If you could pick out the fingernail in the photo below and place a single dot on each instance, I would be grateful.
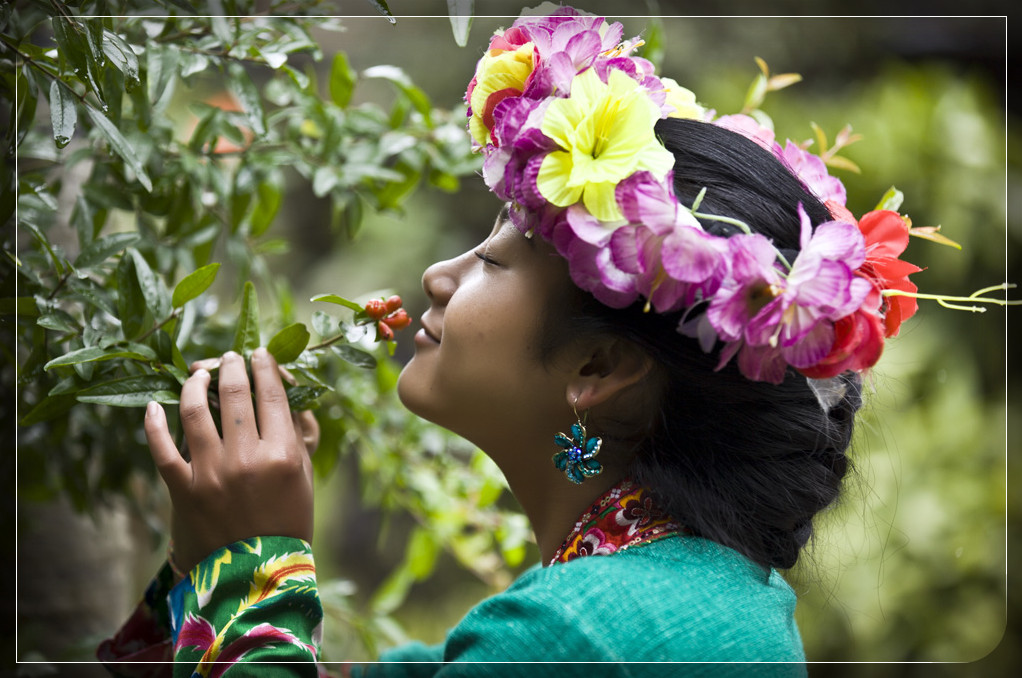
(201, 374)
(260, 353)
(230, 355)
(150, 408)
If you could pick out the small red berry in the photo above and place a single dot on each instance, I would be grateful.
(376, 308)
(398, 320)
(383, 332)
(393, 303)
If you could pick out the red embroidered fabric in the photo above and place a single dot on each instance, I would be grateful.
(624, 516)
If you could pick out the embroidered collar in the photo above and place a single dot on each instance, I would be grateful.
(624, 516)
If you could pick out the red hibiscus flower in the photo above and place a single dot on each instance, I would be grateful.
(859, 337)
(858, 343)
(886, 234)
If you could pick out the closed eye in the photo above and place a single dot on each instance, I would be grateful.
(485, 259)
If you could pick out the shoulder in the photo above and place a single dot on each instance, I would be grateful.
(678, 599)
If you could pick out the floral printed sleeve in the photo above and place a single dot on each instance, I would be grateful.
(253, 601)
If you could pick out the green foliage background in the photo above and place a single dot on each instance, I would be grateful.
(911, 566)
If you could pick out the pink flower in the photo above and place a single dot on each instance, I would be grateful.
(812, 172)
(772, 320)
(676, 262)
(748, 127)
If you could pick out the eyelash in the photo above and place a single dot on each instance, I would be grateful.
(485, 259)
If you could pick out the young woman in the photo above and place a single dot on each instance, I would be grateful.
(658, 343)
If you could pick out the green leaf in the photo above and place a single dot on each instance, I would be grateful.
(324, 324)
(273, 59)
(186, 6)
(120, 145)
(353, 215)
(41, 238)
(91, 354)
(63, 113)
(49, 408)
(120, 55)
(69, 385)
(423, 550)
(355, 356)
(460, 12)
(74, 46)
(892, 200)
(100, 250)
(132, 391)
(161, 62)
(27, 101)
(289, 343)
(194, 284)
(404, 83)
(58, 321)
(153, 290)
(243, 88)
(334, 299)
(381, 7)
(757, 91)
(131, 307)
(246, 336)
(274, 246)
(342, 80)
(324, 179)
(266, 208)
(392, 592)
(303, 397)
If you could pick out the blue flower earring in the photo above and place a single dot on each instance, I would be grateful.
(576, 457)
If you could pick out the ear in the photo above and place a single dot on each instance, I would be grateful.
(608, 368)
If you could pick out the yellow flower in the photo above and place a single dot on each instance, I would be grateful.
(683, 100)
(500, 74)
(605, 132)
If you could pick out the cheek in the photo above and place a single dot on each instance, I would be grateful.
(499, 321)
(486, 360)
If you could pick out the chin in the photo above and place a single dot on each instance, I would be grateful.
(412, 393)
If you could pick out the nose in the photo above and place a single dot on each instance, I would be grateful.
(440, 280)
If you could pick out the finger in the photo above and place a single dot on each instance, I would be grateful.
(271, 400)
(208, 364)
(310, 430)
(200, 431)
(287, 376)
(236, 414)
(174, 470)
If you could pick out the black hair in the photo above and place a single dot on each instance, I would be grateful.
(744, 463)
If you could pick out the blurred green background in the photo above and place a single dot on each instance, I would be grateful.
(912, 565)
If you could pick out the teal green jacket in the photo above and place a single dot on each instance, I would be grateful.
(680, 599)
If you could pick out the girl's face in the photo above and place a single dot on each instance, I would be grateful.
(476, 369)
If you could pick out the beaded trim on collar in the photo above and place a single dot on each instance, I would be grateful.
(624, 516)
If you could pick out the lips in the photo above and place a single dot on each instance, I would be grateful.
(435, 336)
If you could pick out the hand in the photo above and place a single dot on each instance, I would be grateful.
(255, 481)
(310, 427)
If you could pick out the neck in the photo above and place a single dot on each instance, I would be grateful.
(553, 503)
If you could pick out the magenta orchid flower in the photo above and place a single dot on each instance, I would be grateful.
(812, 172)
(675, 261)
(771, 319)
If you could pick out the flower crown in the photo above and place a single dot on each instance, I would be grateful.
(564, 116)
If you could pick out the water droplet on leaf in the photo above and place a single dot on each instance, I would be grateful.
(61, 141)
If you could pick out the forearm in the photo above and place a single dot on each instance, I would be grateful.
(253, 601)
